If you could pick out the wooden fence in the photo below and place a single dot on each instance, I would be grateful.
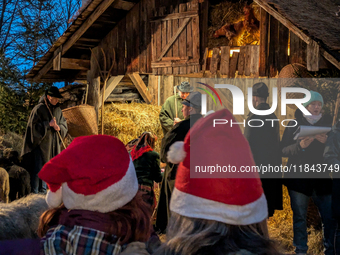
(245, 62)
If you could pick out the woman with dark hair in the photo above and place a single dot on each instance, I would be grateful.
(220, 212)
(147, 165)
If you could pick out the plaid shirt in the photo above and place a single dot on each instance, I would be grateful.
(78, 240)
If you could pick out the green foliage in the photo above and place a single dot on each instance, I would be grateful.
(16, 99)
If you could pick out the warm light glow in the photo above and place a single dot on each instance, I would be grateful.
(234, 50)
(210, 53)
(288, 51)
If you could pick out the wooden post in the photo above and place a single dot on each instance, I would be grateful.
(94, 93)
(337, 105)
(313, 56)
(263, 43)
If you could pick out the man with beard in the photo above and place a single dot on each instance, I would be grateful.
(42, 141)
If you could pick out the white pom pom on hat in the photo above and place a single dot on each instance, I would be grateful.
(176, 153)
(94, 173)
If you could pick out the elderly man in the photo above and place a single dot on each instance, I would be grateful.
(191, 112)
(42, 142)
(264, 143)
(168, 116)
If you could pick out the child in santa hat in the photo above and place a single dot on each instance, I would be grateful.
(147, 165)
(216, 213)
(96, 206)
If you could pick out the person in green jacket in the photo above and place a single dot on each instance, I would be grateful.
(146, 162)
(167, 116)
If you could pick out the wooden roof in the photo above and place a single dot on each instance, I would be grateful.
(317, 18)
(314, 21)
(92, 24)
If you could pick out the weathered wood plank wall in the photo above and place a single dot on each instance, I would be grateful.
(137, 34)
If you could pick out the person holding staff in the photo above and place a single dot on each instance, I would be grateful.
(45, 130)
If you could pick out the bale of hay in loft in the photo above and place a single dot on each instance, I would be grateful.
(128, 121)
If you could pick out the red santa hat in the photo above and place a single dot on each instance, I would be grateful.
(231, 197)
(94, 173)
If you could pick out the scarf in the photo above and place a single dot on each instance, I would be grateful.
(312, 119)
(135, 154)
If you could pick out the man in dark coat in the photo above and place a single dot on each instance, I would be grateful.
(332, 157)
(191, 111)
(265, 146)
(42, 142)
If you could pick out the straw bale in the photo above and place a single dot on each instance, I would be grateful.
(128, 121)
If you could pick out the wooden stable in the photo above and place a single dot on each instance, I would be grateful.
(158, 43)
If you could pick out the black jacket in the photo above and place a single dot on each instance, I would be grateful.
(332, 157)
(311, 156)
(148, 169)
(40, 135)
(177, 133)
(264, 143)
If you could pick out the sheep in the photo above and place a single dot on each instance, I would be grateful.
(20, 219)
(19, 180)
(4, 185)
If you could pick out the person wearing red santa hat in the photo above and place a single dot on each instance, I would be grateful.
(216, 214)
(96, 206)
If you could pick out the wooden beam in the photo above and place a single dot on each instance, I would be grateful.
(174, 63)
(225, 58)
(110, 86)
(173, 39)
(83, 39)
(313, 56)
(215, 60)
(93, 94)
(81, 30)
(122, 97)
(57, 59)
(263, 43)
(330, 58)
(123, 5)
(75, 64)
(233, 64)
(205, 57)
(172, 16)
(283, 20)
(142, 89)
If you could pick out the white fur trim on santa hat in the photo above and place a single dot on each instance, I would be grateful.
(54, 199)
(107, 200)
(201, 208)
(208, 113)
(176, 153)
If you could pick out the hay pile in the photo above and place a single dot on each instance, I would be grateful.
(228, 12)
(10, 141)
(281, 229)
(128, 121)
